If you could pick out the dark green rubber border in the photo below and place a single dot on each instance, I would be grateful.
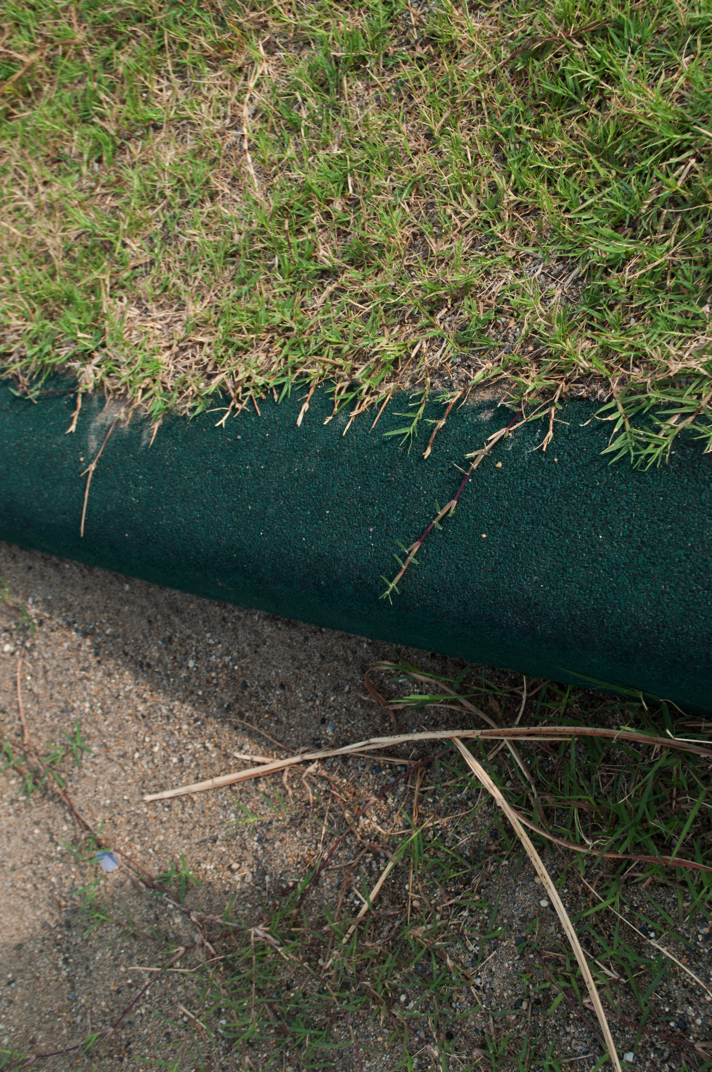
(556, 564)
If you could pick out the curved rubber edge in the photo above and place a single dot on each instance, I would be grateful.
(554, 564)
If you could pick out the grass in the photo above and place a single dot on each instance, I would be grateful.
(202, 201)
(36, 777)
(308, 990)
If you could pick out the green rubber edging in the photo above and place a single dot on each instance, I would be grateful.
(585, 570)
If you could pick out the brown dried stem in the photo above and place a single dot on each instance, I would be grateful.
(494, 790)
(89, 473)
(518, 733)
(449, 507)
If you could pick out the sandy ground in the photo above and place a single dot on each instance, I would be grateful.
(167, 689)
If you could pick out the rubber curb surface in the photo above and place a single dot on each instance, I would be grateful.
(555, 564)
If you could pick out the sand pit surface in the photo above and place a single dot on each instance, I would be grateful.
(134, 689)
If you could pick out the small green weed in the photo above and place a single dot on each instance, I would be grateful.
(25, 622)
(76, 744)
(34, 776)
(409, 432)
(182, 875)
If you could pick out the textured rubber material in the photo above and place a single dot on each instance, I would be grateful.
(555, 564)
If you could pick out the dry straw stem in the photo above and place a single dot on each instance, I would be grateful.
(302, 757)
(441, 424)
(482, 776)
(516, 733)
(475, 711)
(371, 897)
(25, 735)
(89, 473)
(456, 737)
(368, 905)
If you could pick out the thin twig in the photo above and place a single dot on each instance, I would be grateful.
(75, 416)
(25, 734)
(380, 700)
(245, 134)
(305, 407)
(677, 1042)
(31, 751)
(449, 507)
(668, 861)
(66, 799)
(569, 1001)
(252, 759)
(385, 403)
(387, 788)
(24, 69)
(231, 718)
(187, 1012)
(147, 879)
(89, 473)
(480, 714)
(518, 719)
(440, 424)
(366, 906)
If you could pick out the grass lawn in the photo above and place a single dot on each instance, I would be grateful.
(210, 199)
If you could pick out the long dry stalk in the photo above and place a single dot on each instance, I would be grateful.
(89, 473)
(484, 778)
(516, 733)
